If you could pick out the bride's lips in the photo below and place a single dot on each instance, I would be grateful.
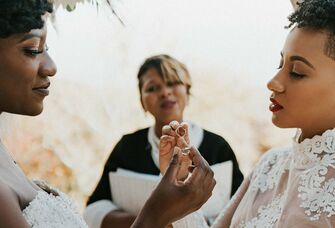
(42, 89)
(168, 104)
(275, 106)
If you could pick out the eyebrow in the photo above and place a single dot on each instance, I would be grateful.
(299, 58)
(29, 36)
(302, 59)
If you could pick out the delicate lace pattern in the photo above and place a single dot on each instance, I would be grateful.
(317, 193)
(47, 210)
(268, 172)
(267, 215)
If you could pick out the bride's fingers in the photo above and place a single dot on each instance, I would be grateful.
(185, 126)
(174, 124)
(166, 152)
(182, 143)
(181, 132)
(166, 140)
(167, 130)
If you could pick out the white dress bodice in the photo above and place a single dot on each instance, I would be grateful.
(47, 210)
(290, 187)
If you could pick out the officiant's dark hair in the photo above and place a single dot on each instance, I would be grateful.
(318, 15)
(21, 16)
(170, 69)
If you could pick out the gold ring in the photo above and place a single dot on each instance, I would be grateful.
(186, 151)
(180, 131)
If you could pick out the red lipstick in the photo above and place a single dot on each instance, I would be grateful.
(275, 106)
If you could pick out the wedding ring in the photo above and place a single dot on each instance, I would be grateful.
(180, 131)
(186, 151)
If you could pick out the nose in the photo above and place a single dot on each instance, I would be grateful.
(47, 66)
(276, 84)
(166, 91)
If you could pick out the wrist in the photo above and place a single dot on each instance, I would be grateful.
(148, 219)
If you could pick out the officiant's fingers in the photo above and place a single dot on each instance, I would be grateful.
(167, 130)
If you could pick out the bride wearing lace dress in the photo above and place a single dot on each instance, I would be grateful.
(295, 186)
(25, 68)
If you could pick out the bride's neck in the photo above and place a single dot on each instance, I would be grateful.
(308, 134)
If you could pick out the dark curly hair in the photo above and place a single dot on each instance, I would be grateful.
(21, 16)
(318, 15)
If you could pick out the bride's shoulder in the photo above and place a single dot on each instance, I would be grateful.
(10, 211)
(7, 193)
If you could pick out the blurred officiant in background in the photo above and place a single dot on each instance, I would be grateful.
(165, 87)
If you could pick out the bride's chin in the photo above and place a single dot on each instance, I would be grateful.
(280, 124)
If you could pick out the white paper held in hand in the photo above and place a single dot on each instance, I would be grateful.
(131, 189)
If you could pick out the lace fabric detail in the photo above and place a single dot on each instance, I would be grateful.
(267, 215)
(292, 186)
(317, 156)
(47, 210)
(269, 170)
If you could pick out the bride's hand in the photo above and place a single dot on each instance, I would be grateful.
(173, 199)
(175, 139)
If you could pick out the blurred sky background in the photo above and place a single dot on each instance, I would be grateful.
(242, 37)
(231, 49)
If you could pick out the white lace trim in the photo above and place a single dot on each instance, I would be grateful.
(267, 215)
(317, 155)
(47, 210)
(268, 172)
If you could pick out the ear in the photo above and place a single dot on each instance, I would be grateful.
(295, 4)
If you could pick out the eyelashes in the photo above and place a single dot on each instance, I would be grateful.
(296, 75)
(33, 52)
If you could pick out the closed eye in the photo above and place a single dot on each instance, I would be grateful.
(33, 52)
(296, 75)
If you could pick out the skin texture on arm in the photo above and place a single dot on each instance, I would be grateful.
(10, 211)
(173, 199)
(118, 218)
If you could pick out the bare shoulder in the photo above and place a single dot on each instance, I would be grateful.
(10, 211)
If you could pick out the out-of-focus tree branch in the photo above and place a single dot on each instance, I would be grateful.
(70, 5)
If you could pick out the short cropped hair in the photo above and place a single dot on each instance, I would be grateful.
(318, 15)
(21, 16)
(170, 69)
